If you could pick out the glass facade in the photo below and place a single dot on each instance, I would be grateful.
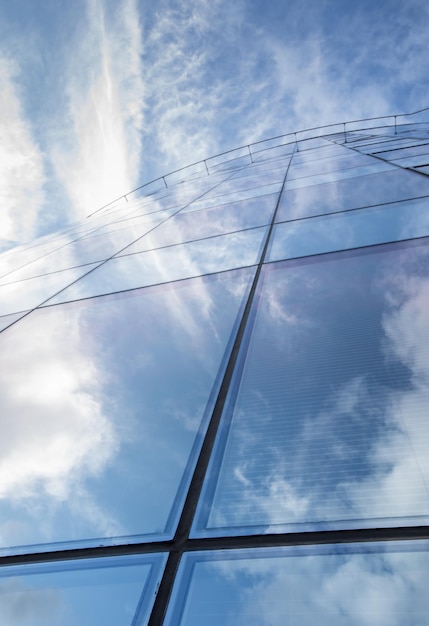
(215, 394)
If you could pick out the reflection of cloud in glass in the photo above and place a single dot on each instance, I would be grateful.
(54, 429)
(362, 191)
(354, 589)
(329, 424)
(172, 263)
(21, 605)
(103, 400)
(28, 294)
(50, 386)
(351, 229)
(80, 593)
(329, 586)
(403, 448)
(208, 222)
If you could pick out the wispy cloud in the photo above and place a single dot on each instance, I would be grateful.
(131, 92)
(100, 158)
(21, 164)
(223, 75)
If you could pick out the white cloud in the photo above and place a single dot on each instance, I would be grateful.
(182, 104)
(337, 588)
(399, 484)
(54, 431)
(215, 75)
(21, 164)
(100, 159)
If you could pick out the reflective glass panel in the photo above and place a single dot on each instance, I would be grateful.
(326, 424)
(413, 161)
(112, 592)
(249, 179)
(329, 150)
(133, 227)
(335, 585)
(253, 206)
(264, 167)
(97, 247)
(404, 152)
(301, 167)
(226, 164)
(352, 229)
(376, 146)
(208, 222)
(168, 264)
(311, 142)
(104, 403)
(352, 172)
(260, 172)
(423, 168)
(28, 294)
(213, 200)
(348, 194)
(7, 320)
(262, 156)
(20, 256)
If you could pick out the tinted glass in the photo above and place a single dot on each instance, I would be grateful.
(117, 351)
(383, 585)
(352, 172)
(399, 153)
(213, 200)
(27, 294)
(167, 264)
(103, 407)
(326, 425)
(112, 592)
(353, 229)
(349, 194)
(7, 320)
(423, 168)
(21, 256)
(301, 167)
(208, 222)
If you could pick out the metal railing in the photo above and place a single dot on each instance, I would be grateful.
(251, 150)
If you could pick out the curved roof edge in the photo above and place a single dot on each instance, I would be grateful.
(392, 121)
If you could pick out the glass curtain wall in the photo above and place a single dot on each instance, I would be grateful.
(215, 395)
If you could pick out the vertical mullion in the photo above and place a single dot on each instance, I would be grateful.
(197, 480)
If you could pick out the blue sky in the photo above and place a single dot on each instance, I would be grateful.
(100, 96)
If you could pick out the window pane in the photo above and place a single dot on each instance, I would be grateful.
(328, 177)
(215, 199)
(363, 227)
(80, 593)
(104, 403)
(423, 168)
(300, 168)
(326, 425)
(413, 161)
(337, 585)
(404, 152)
(349, 194)
(22, 255)
(168, 264)
(23, 295)
(7, 320)
(208, 222)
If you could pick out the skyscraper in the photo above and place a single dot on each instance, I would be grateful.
(215, 393)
